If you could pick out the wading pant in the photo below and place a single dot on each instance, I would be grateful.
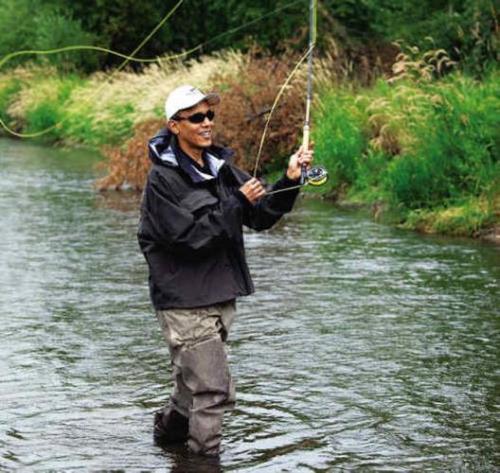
(203, 388)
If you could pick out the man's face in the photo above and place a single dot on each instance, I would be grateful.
(193, 135)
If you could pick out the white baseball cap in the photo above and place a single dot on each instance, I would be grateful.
(187, 96)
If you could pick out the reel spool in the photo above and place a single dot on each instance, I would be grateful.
(316, 176)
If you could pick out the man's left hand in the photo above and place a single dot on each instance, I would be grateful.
(301, 156)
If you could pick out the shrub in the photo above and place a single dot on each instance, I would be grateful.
(41, 101)
(128, 166)
(52, 30)
(247, 98)
(33, 25)
(9, 87)
(456, 148)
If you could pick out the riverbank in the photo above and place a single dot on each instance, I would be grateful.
(420, 149)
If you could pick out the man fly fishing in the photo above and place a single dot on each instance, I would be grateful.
(194, 207)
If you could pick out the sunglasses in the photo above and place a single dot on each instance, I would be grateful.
(197, 117)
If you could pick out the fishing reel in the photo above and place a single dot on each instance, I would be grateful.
(316, 176)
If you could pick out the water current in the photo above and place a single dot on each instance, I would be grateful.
(365, 348)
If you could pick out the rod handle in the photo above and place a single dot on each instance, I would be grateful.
(305, 147)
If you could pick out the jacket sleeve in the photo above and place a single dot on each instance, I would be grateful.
(166, 221)
(270, 209)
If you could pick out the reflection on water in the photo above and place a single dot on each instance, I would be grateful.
(365, 348)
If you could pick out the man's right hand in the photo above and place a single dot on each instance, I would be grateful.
(253, 190)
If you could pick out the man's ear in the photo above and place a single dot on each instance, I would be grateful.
(173, 126)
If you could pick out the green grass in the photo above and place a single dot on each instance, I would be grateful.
(428, 149)
(8, 90)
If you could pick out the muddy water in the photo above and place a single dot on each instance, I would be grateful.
(365, 348)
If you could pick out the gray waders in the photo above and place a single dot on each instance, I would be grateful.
(203, 389)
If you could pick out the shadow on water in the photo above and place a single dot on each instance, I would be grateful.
(365, 348)
(182, 461)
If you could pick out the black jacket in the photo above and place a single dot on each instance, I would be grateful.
(190, 230)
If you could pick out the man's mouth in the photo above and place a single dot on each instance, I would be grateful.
(206, 134)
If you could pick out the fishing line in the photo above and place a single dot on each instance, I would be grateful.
(275, 103)
(119, 68)
(128, 58)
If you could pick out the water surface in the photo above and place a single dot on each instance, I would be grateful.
(365, 348)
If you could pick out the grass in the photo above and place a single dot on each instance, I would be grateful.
(465, 218)
(428, 149)
(99, 110)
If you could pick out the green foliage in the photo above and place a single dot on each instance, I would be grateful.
(456, 151)
(49, 108)
(37, 25)
(53, 29)
(421, 146)
(16, 25)
(9, 87)
(464, 218)
(467, 30)
(338, 134)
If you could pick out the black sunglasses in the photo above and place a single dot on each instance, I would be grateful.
(197, 117)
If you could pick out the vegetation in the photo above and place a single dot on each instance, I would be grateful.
(428, 149)
(411, 130)
(466, 29)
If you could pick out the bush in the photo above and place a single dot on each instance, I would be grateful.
(456, 147)
(247, 98)
(467, 30)
(32, 25)
(128, 165)
(52, 30)
(429, 148)
(9, 87)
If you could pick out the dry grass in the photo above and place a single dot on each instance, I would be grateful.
(145, 92)
(246, 102)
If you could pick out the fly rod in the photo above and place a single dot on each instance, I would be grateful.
(317, 175)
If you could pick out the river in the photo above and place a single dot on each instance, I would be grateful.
(365, 348)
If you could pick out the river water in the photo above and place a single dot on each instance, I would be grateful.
(365, 348)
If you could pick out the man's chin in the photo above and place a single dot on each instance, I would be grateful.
(206, 143)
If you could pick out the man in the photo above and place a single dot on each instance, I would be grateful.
(194, 206)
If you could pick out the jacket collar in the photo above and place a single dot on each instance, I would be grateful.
(164, 150)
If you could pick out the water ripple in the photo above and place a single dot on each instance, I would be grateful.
(365, 348)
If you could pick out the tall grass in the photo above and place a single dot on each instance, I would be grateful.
(417, 145)
(98, 110)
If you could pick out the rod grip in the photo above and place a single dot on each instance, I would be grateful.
(305, 146)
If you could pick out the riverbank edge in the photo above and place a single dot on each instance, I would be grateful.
(382, 213)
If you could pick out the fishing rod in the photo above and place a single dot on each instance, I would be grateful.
(315, 176)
